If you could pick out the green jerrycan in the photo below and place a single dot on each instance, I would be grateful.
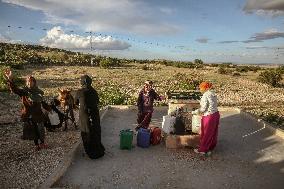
(126, 137)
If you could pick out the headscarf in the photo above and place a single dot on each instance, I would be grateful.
(86, 81)
(205, 86)
(147, 82)
(31, 78)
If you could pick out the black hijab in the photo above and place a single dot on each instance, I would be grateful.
(86, 81)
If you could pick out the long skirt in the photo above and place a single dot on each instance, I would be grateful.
(209, 132)
(92, 142)
(144, 119)
(33, 130)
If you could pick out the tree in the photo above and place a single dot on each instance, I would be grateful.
(198, 61)
(270, 77)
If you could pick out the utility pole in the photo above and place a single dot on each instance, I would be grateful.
(91, 38)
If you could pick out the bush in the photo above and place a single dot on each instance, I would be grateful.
(226, 65)
(270, 77)
(242, 69)
(236, 74)
(222, 70)
(106, 63)
(111, 95)
(150, 67)
(182, 82)
(280, 69)
(273, 118)
(109, 62)
(198, 61)
(247, 68)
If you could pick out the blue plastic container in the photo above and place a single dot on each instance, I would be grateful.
(143, 138)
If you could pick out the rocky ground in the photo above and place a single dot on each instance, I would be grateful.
(20, 164)
(23, 167)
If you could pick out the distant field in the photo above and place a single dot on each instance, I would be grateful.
(119, 80)
(121, 85)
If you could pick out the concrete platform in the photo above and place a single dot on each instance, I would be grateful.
(247, 156)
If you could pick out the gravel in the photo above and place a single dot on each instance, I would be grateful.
(20, 164)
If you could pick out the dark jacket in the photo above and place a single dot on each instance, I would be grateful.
(31, 99)
(152, 95)
(88, 99)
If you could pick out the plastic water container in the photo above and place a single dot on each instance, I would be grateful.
(196, 123)
(53, 117)
(126, 138)
(168, 123)
(143, 138)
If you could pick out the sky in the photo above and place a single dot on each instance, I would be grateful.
(215, 31)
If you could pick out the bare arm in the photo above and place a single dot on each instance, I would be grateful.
(12, 86)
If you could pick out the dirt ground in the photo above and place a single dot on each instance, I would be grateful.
(247, 156)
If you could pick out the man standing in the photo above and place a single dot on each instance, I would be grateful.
(89, 118)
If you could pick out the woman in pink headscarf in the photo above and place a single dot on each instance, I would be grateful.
(210, 119)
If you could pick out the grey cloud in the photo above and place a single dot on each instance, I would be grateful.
(108, 15)
(260, 37)
(276, 5)
(224, 42)
(257, 47)
(271, 7)
(203, 40)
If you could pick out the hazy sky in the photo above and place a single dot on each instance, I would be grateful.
(242, 31)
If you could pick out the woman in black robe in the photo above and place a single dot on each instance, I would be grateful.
(89, 118)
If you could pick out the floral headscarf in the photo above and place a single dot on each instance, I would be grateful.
(205, 86)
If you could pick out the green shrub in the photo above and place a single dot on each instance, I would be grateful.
(273, 118)
(109, 62)
(270, 77)
(222, 70)
(105, 63)
(150, 67)
(242, 69)
(182, 82)
(280, 69)
(226, 65)
(236, 74)
(2, 55)
(198, 61)
(111, 95)
(247, 68)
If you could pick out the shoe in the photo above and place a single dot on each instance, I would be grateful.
(37, 148)
(207, 154)
(196, 151)
(43, 146)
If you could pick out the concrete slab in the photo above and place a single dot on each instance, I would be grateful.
(247, 156)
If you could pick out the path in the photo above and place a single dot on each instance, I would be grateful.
(243, 159)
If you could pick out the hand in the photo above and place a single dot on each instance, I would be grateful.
(162, 98)
(195, 112)
(8, 74)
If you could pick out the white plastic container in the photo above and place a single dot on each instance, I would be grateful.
(168, 123)
(196, 123)
(53, 117)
